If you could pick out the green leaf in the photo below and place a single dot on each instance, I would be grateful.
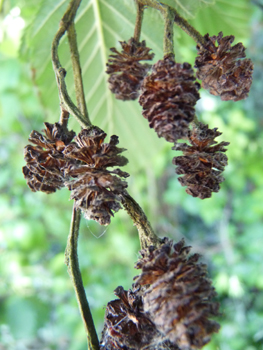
(230, 17)
(188, 8)
(23, 315)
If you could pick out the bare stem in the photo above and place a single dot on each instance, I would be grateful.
(138, 23)
(60, 72)
(64, 116)
(79, 89)
(168, 39)
(146, 234)
(71, 260)
(180, 21)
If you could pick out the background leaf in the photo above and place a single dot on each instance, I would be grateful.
(188, 8)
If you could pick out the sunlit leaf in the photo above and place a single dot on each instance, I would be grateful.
(23, 315)
(229, 17)
(188, 8)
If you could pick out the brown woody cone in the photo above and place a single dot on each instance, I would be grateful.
(168, 97)
(220, 71)
(126, 72)
(179, 297)
(46, 164)
(201, 163)
(94, 188)
(127, 326)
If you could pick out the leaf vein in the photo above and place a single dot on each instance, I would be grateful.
(47, 17)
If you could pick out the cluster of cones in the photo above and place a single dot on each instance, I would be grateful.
(221, 68)
(171, 305)
(56, 161)
(168, 95)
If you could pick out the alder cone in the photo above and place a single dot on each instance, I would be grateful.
(46, 164)
(126, 72)
(179, 297)
(94, 188)
(201, 163)
(220, 70)
(168, 97)
(127, 326)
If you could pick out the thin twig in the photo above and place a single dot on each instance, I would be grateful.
(138, 22)
(168, 39)
(180, 21)
(60, 72)
(71, 260)
(64, 116)
(79, 89)
(146, 234)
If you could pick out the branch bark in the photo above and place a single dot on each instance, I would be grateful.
(79, 89)
(72, 262)
(168, 39)
(60, 72)
(146, 234)
(138, 22)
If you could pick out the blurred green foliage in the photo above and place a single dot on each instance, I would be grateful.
(38, 309)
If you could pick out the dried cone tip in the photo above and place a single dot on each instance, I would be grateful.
(220, 70)
(127, 326)
(94, 188)
(201, 163)
(125, 70)
(46, 164)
